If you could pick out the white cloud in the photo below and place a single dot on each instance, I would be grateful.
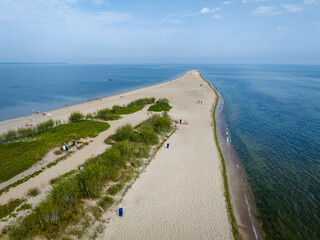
(226, 2)
(256, 1)
(292, 8)
(205, 10)
(215, 9)
(217, 16)
(265, 10)
(101, 2)
(311, 2)
(281, 28)
(317, 23)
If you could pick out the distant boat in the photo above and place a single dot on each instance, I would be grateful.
(110, 79)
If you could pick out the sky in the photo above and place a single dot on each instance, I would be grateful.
(162, 31)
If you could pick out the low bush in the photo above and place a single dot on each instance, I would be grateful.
(25, 206)
(161, 105)
(114, 189)
(141, 101)
(32, 192)
(76, 116)
(106, 202)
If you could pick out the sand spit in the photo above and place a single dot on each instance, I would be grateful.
(181, 194)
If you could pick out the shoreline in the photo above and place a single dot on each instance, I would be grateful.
(242, 205)
(15, 123)
(183, 93)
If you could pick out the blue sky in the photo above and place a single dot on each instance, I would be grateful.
(175, 31)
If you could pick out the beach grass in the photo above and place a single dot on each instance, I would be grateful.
(117, 110)
(8, 208)
(161, 104)
(224, 170)
(64, 202)
(17, 157)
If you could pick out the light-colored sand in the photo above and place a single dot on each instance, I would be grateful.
(180, 196)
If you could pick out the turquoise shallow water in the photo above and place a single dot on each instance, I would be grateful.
(273, 115)
(272, 112)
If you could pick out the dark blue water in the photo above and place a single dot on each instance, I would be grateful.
(43, 87)
(273, 114)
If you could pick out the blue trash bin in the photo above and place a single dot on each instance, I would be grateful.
(167, 145)
(120, 212)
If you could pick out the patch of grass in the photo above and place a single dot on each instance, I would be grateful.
(76, 116)
(106, 202)
(24, 207)
(16, 157)
(161, 105)
(57, 179)
(8, 208)
(96, 212)
(224, 170)
(22, 133)
(114, 189)
(32, 192)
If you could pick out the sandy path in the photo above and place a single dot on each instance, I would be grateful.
(180, 196)
(79, 157)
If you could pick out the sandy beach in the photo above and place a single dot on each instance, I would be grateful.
(181, 193)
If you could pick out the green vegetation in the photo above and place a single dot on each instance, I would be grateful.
(116, 111)
(8, 208)
(32, 192)
(106, 202)
(76, 116)
(161, 105)
(23, 133)
(224, 170)
(114, 189)
(24, 207)
(64, 203)
(16, 157)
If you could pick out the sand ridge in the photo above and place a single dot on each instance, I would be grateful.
(181, 194)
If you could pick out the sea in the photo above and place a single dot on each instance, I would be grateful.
(272, 115)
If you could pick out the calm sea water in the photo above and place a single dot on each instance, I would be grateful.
(44, 87)
(272, 112)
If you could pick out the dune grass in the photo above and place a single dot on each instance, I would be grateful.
(8, 208)
(16, 157)
(63, 204)
(161, 105)
(22, 133)
(116, 111)
(224, 170)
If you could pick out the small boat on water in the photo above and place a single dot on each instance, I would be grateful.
(110, 79)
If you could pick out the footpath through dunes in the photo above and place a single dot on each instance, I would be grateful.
(181, 194)
(96, 147)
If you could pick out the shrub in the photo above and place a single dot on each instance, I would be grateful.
(161, 105)
(24, 207)
(76, 116)
(114, 189)
(106, 202)
(124, 133)
(32, 192)
(41, 127)
(148, 135)
(141, 101)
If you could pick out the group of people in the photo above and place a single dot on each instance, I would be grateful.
(65, 148)
(199, 101)
(184, 122)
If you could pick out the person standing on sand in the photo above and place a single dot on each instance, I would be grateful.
(32, 111)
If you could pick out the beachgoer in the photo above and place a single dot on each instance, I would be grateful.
(32, 111)
(67, 148)
(180, 121)
(73, 142)
(66, 105)
(43, 113)
(64, 148)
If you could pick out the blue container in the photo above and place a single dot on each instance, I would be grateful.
(167, 145)
(120, 212)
